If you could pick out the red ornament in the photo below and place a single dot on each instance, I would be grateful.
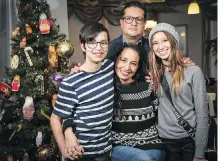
(5, 91)
(44, 24)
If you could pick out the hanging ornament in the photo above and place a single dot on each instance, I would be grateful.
(5, 91)
(28, 29)
(45, 152)
(28, 108)
(26, 51)
(43, 109)
(65, 49)
(54, 98)
(2, 114)
(39, 139)
(26, 157)
(40, 81)
(14, 62)
(16, 83)
(17, 129)
(52, 56)
(44, 24)
(15, 32)
(10, 158)
(23, 43)
(56, 79)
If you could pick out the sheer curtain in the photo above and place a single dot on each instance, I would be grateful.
(8, 19)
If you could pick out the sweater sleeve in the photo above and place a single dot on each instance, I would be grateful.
(200, 102)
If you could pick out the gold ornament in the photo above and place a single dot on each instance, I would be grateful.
(28, 29)
(15, 32)
(65, 49)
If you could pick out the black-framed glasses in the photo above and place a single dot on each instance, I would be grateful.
(129, 19)
(94, 44)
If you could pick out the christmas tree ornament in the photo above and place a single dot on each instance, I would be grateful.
(17, 129)
(54, 98)
(26, 51)
(44, 114)
(15, 32)
(52, 56)
(26, 157)
(28, 29)
(44, 24)
(10, 158)
(15, 83)
(65, 49)
(40, 82)
(28, 108)
(44, 110)
(23, 43)
(5, 91)
(56, 79)
(39, 139)
(45, 152)
(2, 114)
(14, 62)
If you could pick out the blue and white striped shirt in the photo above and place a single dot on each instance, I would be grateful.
(88, 99)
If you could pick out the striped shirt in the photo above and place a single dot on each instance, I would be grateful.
(88, 99)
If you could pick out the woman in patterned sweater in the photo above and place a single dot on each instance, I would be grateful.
(134, 133)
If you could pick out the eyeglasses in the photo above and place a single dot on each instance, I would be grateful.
(94, 44)
(129, 19)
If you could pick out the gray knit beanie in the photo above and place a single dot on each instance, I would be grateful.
(164, 27)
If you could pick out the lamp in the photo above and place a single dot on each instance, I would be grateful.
(193, 8)
(150, 24)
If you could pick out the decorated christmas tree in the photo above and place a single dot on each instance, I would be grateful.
(39, 62)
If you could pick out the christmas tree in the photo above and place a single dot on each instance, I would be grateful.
(39, 62)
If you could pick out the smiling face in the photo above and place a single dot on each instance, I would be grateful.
(127, 65)
(133, 29)
(96, 53)
(161, 45)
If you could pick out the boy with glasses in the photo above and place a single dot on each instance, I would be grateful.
(87, 97)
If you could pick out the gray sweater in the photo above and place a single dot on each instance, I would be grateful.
(192, 105)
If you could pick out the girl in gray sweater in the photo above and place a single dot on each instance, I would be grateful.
(188, 92)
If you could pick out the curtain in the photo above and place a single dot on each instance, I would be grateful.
(7, 24)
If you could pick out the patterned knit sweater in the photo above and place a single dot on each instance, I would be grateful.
(134, 123)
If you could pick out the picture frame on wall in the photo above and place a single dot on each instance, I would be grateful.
(183, 37)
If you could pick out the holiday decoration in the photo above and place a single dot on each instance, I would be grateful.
(43, 109)
(15, 32)
(10, 158)
(65, 49)
(45, 152)
(5, 91)
(26, 157)
(54, 97)
(44, 24)
(40, 82)
(23, 43)
(39, 139)
(28, 29)
(28, 108)
(14, 62)
(18, 128)
(1, 114)
(16, 83)
(26, 50)
(56, 79)
(52, 56)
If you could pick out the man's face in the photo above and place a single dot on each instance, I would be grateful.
(136, 27)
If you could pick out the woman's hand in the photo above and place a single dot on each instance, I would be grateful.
(75, 69)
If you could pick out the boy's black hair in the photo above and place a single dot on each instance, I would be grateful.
(134, 4)
(90, 31)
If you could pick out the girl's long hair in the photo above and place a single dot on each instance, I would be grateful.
(176, 66)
